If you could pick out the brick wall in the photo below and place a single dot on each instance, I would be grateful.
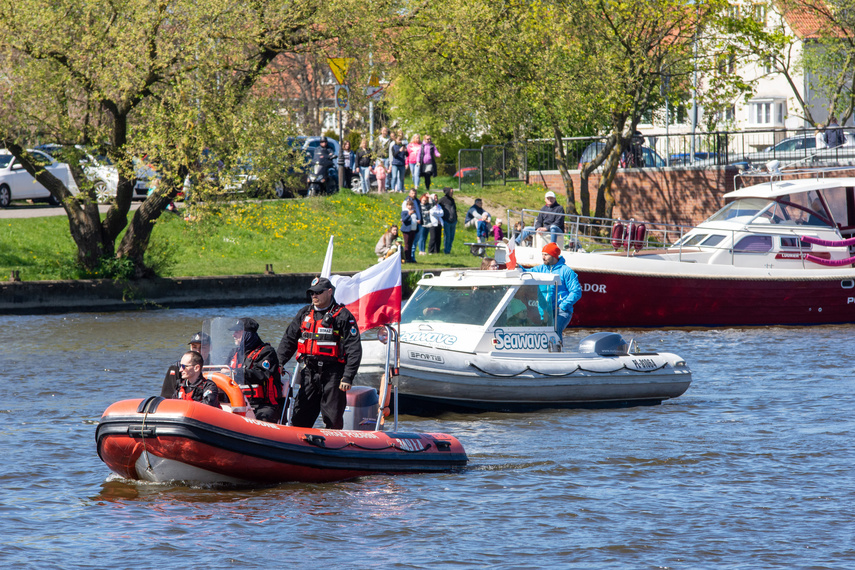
(663, 195)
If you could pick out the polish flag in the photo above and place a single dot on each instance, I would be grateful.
(512, 254)
(373, 295)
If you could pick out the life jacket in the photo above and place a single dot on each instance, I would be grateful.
(267, 392)
(318, 338)
(185, 394)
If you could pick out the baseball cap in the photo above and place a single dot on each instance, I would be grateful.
(244, 324)
(319, 285)
(550, 194)
(200, 338)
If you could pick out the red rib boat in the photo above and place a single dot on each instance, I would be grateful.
(158, 440)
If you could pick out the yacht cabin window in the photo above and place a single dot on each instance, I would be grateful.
(754, 244)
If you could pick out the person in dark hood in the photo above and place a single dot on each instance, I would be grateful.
(258, 372)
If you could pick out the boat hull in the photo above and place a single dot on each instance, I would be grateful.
(176, 440)
(525, 382)
(650, 300)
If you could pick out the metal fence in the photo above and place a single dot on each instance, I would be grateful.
(492, 164)
(719, 148)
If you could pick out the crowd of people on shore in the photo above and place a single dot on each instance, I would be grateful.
(388, 160)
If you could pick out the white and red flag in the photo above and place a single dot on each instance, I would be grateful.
(512, 254)
(373, 295)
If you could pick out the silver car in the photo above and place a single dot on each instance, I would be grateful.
(17, 184)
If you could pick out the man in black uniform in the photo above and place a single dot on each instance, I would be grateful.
(255, 365)
(194, 386)
(326, 339)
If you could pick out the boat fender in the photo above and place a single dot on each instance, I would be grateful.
(639, 234)
(149, 405)
(231, 389)
(604, 344)
(618, 236)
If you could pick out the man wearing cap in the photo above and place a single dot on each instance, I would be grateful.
(550, 218)
(568, 289)
(199, 342)
(258, 370)
(326, 339)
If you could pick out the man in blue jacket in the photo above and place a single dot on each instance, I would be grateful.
(569, 290)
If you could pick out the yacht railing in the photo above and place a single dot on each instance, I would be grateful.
(598, 235)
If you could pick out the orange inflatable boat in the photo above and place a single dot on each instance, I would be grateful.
(155, 439)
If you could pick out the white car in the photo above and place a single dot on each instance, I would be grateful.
(17, 184)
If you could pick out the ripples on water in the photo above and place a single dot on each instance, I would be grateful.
(752, 467)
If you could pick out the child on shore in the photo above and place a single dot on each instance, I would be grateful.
(379, 172)
(481, 227)
(498, 234)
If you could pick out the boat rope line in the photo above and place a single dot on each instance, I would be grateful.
(577, 369)
(148, 466)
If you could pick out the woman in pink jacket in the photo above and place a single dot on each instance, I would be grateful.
(413, 151)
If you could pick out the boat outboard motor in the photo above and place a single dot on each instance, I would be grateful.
(604, 344)
(361, 411)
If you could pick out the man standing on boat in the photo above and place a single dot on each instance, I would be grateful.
(326, 339)
(194, 386)
(569, 290)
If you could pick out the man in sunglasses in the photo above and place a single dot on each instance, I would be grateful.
(194, 386)
(326, 339)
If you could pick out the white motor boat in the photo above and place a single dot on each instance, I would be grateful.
(485, 340)
(781, 252)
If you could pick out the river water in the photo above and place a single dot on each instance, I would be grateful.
(751, 468)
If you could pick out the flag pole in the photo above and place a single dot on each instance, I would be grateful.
(326, 270)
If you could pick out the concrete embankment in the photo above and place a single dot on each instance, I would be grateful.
(93, 295)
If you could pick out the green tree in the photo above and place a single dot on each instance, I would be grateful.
(175, 80)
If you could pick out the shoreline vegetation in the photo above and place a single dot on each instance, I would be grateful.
(245, 238)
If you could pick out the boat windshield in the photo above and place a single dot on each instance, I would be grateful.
(803, 208)
(457, 305)
(529, 307)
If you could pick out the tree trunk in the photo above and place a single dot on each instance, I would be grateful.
(135, 241)
(561, 161)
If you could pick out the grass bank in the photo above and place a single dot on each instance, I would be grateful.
(242, 238)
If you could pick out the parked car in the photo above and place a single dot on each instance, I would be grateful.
(700, 159)
(790, 149)
(17, 184)
(649, 157)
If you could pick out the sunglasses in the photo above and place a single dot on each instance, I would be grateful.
(183, 366)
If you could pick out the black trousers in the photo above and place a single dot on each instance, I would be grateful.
(435, 234)
(319, 393)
